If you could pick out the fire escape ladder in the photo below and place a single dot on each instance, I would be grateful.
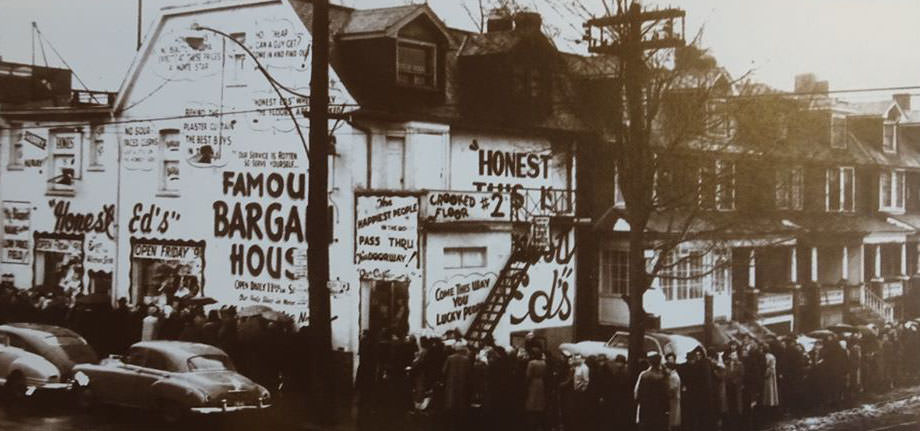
(512, 275)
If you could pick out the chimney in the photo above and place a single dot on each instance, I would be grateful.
(805, 82)
(528, 21)
(499, 20)
(903, 100)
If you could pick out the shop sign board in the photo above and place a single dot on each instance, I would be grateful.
(386, 236)
(454, 206)
(17, 220)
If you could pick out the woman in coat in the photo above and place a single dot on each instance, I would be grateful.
(770, 387)
(535, 397)
(734, 389)
(674, 413)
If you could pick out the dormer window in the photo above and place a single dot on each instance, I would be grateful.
(890, 140)
(416, 64)
(890, 131)
(838, 132)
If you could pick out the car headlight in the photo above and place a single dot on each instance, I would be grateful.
(81, 378)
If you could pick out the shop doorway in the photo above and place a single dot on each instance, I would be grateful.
(385, 307)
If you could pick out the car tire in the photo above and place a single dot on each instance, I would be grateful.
(15, 387)
(171, 412)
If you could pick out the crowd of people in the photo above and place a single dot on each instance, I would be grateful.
(444, 382)
(270, 351)
(434, 381)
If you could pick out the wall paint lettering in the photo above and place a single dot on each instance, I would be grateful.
(67, 221)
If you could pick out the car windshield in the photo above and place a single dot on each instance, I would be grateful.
(619, 340)
(209, 363)
(76, 349)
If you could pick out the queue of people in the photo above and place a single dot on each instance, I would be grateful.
(443, 382)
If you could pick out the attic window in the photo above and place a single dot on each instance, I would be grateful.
(890, 139)
(415, 64)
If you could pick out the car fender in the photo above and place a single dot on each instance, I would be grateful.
(32, 367)
(178, 391)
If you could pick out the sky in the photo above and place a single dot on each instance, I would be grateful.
(853, 44)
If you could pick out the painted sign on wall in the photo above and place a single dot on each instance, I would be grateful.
(454, 303)
(17, 243)
(386, 236)
(546, 298)
(139, 146)
(453, 206)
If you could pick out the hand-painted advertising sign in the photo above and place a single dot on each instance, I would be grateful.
(454, 303)
(17, 244)
(452, 206)
(386, 237)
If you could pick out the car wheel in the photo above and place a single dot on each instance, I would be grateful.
(171, 412)
(15, 387)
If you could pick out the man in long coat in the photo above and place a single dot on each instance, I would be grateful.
(457, 371)
(651, 394)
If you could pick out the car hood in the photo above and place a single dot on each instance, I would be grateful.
(216, 383)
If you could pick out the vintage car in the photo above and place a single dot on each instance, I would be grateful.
(39, 357)
(618, 344)
(172, 377)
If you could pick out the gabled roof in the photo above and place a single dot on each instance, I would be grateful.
(386, 22)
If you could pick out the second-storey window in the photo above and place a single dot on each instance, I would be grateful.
(891, 190)
(789, 188)
(682, 276)
(64, 164)
(15, 137)
(839, 189)
(464, 257)
(169, 161)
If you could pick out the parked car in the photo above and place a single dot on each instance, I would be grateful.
(39, 357)
(172, 377)
(618, 344)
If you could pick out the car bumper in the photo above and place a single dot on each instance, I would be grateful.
(228, 409)
(33, 388)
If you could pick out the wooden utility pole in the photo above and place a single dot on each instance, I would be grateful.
(318, 233)
(628, 35)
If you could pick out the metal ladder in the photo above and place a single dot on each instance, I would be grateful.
(512, 275)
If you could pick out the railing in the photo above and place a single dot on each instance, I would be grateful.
(529, 203)
(89, 97)
(892, 289)
(875, 304)
(774, 302)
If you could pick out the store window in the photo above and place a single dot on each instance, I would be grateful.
(169, 144)
(614, 272)
(163, 271)
(59, 263)
(464, 257)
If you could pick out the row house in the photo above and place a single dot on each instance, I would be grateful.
(815, 228)
(451, 180)
(57, 170)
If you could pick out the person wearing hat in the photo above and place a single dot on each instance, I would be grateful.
(651, 394)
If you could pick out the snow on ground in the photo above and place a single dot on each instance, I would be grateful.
(898, 407)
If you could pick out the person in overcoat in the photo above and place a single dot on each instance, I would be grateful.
(535, 396)
(651, 394)
(770, 386)
(457, 372)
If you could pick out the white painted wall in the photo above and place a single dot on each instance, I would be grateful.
(90, 209)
